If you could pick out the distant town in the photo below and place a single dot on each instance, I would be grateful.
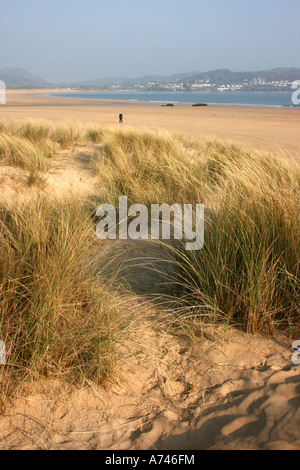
(255, 84)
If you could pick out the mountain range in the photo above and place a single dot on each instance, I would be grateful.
(19, 78)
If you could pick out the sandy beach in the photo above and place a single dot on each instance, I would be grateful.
(275, 130)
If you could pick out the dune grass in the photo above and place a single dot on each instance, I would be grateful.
(56, 317)
(66, 136)
(59, 319)
(33, 131)
(18, 151)
(31, 145)
(148, 166)
(94, 134)
(40, 133)
(248, 270)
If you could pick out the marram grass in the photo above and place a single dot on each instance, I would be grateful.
(58, 319)
(248, 271)
(56, 316)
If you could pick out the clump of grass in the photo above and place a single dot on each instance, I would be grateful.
(55, 316)
(248, 271)
(65, 136)
(27, 145)
(30, 145)
(31, 130)
(41, 133)
(18, 151)
(94, 134)
(148, 167)
(36, 179)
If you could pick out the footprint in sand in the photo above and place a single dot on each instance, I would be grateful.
(267, 417)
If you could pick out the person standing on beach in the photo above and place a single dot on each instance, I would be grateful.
(120, 118)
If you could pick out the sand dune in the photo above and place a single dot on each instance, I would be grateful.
(223, 390)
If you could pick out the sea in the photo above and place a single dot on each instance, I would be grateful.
(243, 99)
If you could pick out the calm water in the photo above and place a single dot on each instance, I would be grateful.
(275, 99)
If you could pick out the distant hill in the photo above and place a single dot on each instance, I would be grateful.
(226, 76)
(101, 82)
(123, 81)
(19, 78)
(218, 77)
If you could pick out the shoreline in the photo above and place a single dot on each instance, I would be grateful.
(161, 102)
(58, 97)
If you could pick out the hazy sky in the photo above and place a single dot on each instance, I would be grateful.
(70, 40)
